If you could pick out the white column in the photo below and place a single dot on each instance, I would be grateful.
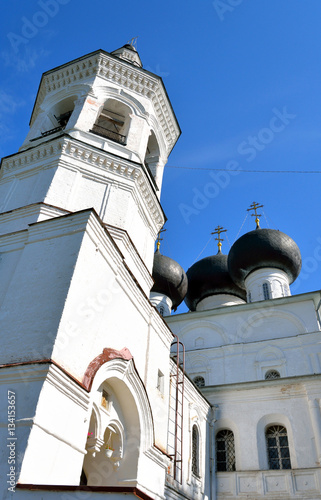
(315, 413)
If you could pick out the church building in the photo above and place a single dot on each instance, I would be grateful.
(105, 393)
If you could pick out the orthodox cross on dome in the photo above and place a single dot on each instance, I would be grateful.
(159, 239)
(254, 207)
(218, 231)
(133, 41)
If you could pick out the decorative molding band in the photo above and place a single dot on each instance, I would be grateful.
(72, 149)
(121, 236)
(67, 386)
(30, 156)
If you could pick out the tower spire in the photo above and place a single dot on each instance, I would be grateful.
(254, 207)
(218, 230)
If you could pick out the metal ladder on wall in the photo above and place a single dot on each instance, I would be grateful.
(176, 410)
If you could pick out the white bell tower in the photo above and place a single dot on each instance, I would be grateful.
(80, 212)
(100, 133)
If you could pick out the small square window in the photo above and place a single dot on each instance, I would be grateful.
(104, 399)
(160, 382)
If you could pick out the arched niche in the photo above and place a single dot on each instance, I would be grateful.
(270, 358)
(260, 324)
(210, 334)
(152, 154)
(58, 115)
(263, 424)
(225, 423)
(113, 121)
(121, 420)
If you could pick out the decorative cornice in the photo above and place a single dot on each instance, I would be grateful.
(30, 156)
(89, 155)
(120, 73)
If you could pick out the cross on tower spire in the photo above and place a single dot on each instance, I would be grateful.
(218, 231)
(254, 207)
(159, 239)
(133, 41)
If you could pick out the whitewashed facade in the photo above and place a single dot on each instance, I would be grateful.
(234, 348)
(95, 403)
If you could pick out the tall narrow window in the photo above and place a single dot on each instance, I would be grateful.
(278, 447)
(195, 451)
(266, 291)
(225, 451)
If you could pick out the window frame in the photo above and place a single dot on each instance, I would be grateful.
(270, 372)
(229, 447)
(266, 291)
(281, 457)
(199, 378)
(195, 455)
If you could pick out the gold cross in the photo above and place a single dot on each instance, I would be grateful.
(254, 207)
(159, 239)
(218, 231)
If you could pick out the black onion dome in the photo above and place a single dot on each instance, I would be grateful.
(264, 248)
(210, 276)
(169, 278)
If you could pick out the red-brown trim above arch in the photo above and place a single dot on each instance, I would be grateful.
(97, 362)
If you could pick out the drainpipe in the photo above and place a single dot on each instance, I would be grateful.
(212, 454)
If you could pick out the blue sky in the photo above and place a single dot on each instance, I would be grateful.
(244, 79)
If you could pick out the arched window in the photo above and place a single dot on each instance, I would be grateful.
(57, 118)
(161, 310)
(199, 381)
(195, 451)
(152, 154)
(278, 447)
(225, 451)
(271, 374)
(266, 291)
(113, 122)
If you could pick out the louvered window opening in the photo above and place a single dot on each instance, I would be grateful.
(278, 447)
(199, 381)
(225, 451)
(272, 374)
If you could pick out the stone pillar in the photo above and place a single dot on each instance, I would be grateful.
(315, 413)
